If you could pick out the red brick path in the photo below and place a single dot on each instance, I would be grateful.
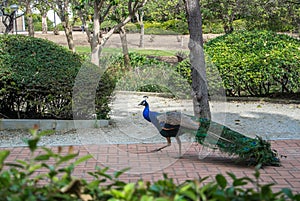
(151, 166)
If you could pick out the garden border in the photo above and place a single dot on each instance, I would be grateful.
(51, 124)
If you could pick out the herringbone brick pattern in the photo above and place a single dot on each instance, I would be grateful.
(151, 166)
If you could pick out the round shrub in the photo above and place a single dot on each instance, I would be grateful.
(257, 63)
(37, 78)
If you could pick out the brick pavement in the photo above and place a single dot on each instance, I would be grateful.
(151, 166)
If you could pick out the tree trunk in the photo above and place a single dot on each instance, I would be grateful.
(199, 81)
(44, 23)
(96, 46)
(96, 40)
(69, 35)
(140, 19)
(142, 36)
(124, 47)
(63, 13)
(8, 21)
(29, 19)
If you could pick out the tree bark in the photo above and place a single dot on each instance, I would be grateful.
(70, 40)
(29, 18)
(124, 47)
(97, 40)
(142, 45)
(96, 46)
(8, 20)
(44, 23)
(199, 81)
(140, 20)
(63, 13)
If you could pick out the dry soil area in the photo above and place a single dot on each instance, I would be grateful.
(163, 42)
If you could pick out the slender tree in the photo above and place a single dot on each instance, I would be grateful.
(199, 81)
(101, 9)
(63, 9)
(124, 42)
(140, 18)
(43, 7)
(8, 15)
(8, 20)
(28, 13)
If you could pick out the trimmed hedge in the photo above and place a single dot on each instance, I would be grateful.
(256, 63)
(37, 78)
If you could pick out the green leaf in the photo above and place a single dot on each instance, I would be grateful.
(82, 159)
(3, 156)
(147, 198)
(117, 194)
(162, 199)
(239, 182)
(102, 172)
(129, 190)
(119, 173)
(34, 167)
(32, 143)
(15, 165)
(231, 175)
(221, 180)
(22, 162)
(43, 157)
(189, 193)
(288, 192)
(66, 158)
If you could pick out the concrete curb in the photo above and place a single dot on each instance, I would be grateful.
(51, 124)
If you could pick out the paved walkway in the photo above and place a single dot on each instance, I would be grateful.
(151, 166)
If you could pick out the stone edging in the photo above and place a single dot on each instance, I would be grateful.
(51, 124)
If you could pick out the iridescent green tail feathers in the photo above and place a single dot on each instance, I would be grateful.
(253, 150)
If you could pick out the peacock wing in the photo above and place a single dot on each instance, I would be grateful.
(177, 118)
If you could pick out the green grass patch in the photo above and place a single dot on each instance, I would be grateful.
(152, 52)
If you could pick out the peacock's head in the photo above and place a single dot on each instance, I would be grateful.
(144, 102)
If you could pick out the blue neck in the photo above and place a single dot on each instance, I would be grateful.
(146, 113)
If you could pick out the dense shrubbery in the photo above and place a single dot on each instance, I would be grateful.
(37, 23)
(23, 180)
(171, 27)
(148, 75)
(37, 79)
(257, 63)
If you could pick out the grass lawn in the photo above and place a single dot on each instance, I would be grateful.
(152, 52)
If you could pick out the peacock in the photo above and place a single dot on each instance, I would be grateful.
(211, 134)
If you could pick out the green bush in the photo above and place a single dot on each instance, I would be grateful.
(212, 27)
(256, 63)
(178, 26)
(132, 28)
(240, 24)
(170, 27)
(37, 23)
(108, 24)
(37, 79)
(23, 180)
(147, 75)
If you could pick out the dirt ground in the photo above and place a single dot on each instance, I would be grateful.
(162, 42)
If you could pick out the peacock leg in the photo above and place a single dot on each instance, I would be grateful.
(169, 144)
(179, 144)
